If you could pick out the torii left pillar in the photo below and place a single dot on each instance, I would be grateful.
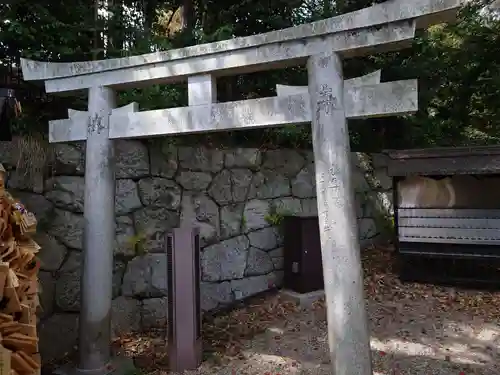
(99, 210)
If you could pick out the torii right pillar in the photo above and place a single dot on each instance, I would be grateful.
(348, 334)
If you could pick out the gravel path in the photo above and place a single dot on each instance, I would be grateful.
(415, 329)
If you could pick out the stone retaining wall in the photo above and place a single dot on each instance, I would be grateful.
(232, 195)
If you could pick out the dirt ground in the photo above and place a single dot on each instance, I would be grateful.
(415, 329)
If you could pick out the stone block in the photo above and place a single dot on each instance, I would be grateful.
(47, 287)
(231, 186)
(160, 192)
(284, 161)
(268, 183)
(69, 159)
(164, 158)
(68, 228)
(226, 260)
(151, 223)
(265, 238)
(58, 335)
(131, 159)
(197, 181)
(154, 313)
(67, 192)
(304, 184)
(126, 197)
(146, 276)
(214, 295)
(231, 220)
(67, 287)
(258, 262)
(124, 315)
(243, 158)
(52, 252)
(198, 210)
(255, 214)
(201, 159)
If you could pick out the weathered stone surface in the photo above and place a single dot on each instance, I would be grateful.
(67, 192)
(160, 192)
(69, 159)
(164, 158)
(124, 316)
(67, 227)
(201, 159)
(36, 203)
(52, 252)
(231, 220)
(67, 288)
(277, 253)
(304, 184)
(278, 262)
(361, 161)
(309, 206)
(154, 313)
(151, 223)
(9, 153)
(377, 204)
(231, 186)
(132, 159)
(244, 158)
(267, 183)
(359, 181)
(226, 260)
(48, 288)
(367, 228)
(215, 294)
(249, 286)
(200, 211)
(146, 276)
(125, 235)
(60, 331)
(119, 268)
(197, 181)
(254, 214)
(18, 179)
(258, 262)
(287, 162)
(276, 279)
(379, 160)
(222, 203)
(287, 206)
(264, 239)
(308, 156)
(360, 200)
(381, 179)
(126, 197)
(72, 262)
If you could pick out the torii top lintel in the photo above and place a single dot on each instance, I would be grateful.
(389, 25)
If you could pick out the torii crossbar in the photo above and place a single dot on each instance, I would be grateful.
(327, 102)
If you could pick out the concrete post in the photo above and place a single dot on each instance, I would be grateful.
(99, 211)
(347, 320)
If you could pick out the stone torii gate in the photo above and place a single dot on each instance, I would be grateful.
(326, 102)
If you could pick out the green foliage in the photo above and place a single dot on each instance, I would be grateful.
(137, 242)
(275, 216)
(458, 65)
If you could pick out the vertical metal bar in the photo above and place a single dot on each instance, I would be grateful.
(97, 267)
(343, 277)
